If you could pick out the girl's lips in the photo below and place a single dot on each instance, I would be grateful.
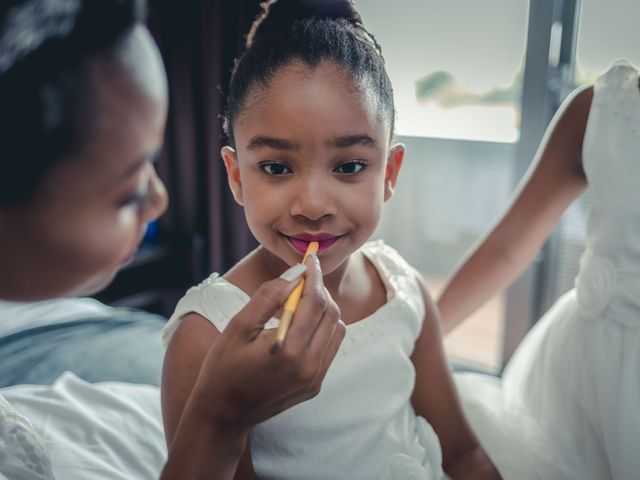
(301, 244)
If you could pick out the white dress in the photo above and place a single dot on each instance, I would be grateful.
(22, 453)
(569, 403)
(362, 424)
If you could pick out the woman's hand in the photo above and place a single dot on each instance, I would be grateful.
(251, 383)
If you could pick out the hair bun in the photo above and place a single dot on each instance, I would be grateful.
(280, 14)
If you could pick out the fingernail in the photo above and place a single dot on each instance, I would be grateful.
(294, 272)
(314, 256)
(275, 347)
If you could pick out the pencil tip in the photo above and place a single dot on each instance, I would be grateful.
(276, 346)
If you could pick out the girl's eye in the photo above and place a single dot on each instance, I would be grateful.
(275, 169)
(351, 168)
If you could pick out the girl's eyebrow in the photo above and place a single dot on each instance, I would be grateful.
(347, 141)
(344, 141)
(261, 141)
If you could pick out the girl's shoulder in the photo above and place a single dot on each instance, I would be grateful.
(387, 258)
(402, 281)
(215, 298)
(404, 294)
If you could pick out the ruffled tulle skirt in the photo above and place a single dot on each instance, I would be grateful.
(568, 405)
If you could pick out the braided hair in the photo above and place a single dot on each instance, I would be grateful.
(44, 48)
(310, 31)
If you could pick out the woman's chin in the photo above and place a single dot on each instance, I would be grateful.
(95, 285)
(52, 288)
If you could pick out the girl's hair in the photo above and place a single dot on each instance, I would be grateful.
(44, 45)
(310, 31)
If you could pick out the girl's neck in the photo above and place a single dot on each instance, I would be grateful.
(355, 285)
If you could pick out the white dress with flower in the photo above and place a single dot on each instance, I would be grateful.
(569, 403)
(362, 424)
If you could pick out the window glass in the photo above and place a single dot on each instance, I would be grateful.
(456, 65)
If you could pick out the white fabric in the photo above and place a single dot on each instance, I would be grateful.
(574, 382)
(20, 316)
(101, 431)
(22, 454)
(362, 424)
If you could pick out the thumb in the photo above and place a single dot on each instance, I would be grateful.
(266, 301)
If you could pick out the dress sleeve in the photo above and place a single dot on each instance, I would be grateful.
(618, 79)
(215, 299)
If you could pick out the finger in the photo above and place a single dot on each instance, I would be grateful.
(326, 357)
(266, 301)
(311, 308)
(332, 349)
(325, 330)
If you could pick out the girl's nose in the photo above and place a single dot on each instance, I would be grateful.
(313, 200)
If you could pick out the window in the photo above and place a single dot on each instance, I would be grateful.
(608, 31)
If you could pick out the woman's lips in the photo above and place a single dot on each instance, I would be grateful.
(301, 244)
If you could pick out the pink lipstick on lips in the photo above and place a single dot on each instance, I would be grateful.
(301, 242)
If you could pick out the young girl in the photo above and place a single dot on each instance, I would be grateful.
(310, 123)
(575, 376)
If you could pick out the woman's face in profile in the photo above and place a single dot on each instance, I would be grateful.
(91, 211)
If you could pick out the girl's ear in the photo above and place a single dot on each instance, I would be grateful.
(394, 162)
(230, 159)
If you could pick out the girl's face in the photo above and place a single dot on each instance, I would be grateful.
(91, 211)
(312, 163)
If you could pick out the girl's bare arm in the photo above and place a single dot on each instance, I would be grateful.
(554, 180)
(435, 398)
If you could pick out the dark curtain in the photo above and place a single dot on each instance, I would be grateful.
(199, 40)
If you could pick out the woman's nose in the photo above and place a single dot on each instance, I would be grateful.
(157, 200)
(313, 200)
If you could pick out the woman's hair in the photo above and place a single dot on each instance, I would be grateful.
(310, 31)
(44, 48)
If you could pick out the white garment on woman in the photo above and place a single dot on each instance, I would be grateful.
(570, 396)
(362, 424)
(22, 453)
(93, 431)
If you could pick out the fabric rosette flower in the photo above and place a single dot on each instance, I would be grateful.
(594, 285)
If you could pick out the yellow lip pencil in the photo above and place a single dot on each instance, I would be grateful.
(292, 303)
